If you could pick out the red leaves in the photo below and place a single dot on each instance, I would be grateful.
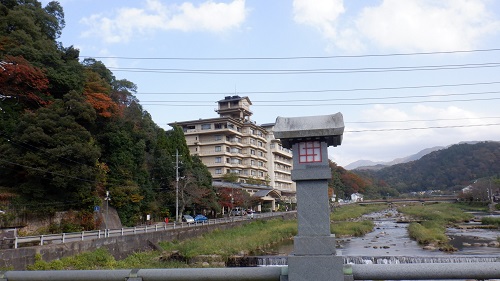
(20, 80)
(102, 103)
(97, 93)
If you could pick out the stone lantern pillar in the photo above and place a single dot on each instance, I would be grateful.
(314, 256)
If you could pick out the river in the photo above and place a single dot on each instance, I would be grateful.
(390, 243)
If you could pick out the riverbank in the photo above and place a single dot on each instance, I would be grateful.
(214, 248)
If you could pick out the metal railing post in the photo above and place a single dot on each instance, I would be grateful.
(41, 240)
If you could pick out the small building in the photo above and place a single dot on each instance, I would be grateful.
(356, 197)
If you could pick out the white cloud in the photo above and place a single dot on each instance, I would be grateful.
(409, 25)
(208, 16)
(320, 14)
(438, 126)
(427, 25)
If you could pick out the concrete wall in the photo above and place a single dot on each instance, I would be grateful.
(120, 247)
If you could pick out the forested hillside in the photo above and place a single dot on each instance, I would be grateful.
(453, 167)
(70, 131)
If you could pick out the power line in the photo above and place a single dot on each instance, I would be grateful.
(45, 171)
(323, 90)
(294, 57)
(345, 99)
(31, 147)
(420, 120)
(323, 104)
(307, 71)
(421, 128)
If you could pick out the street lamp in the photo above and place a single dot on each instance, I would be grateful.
(107, 198)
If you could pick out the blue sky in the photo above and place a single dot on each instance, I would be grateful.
(405, 74)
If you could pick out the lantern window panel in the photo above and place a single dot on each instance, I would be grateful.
(310, 152)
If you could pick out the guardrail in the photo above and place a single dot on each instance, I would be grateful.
(456, 271)
(41, 240)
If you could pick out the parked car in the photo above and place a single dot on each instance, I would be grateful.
(238, 211)
(200, 218)
(188, 219)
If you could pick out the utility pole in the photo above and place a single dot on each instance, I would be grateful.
(176, 185)
(107, 198)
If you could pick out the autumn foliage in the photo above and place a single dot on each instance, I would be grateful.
(97, 91)
(24, 82)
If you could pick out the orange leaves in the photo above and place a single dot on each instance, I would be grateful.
(103, 104)
(21, 80)
(97, 93)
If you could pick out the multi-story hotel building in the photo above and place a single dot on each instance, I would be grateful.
(232, 143)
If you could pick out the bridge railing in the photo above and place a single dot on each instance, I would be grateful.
(40, 240)
(437, 271)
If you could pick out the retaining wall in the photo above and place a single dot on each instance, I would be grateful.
(120, 246)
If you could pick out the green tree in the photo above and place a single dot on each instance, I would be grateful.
(51, 158)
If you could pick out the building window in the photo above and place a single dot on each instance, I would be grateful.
(218, 148)
(261, 154)
(218, 159)
(261, 164)
(206, 126)
(261, 174)
(252, 162)
(218, 137)
(189, 127)
(310, 152)
(253, 173)
(252, 151)
(260, 143)
(218, 126)
(218, 171)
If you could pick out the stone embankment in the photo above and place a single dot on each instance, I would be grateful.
(119, 246)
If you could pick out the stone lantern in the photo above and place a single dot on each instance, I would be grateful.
(314, 256)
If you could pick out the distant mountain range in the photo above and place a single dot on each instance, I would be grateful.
(371, 165)
(453, 166)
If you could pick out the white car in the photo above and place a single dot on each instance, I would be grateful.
(188, 219)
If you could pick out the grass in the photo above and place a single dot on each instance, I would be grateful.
(258, 234)
(353, 211)
(435, 218)
(358, 228)
(473, 206)
(447, 213)
(490, 221)
(428, 232)
(340, 225)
